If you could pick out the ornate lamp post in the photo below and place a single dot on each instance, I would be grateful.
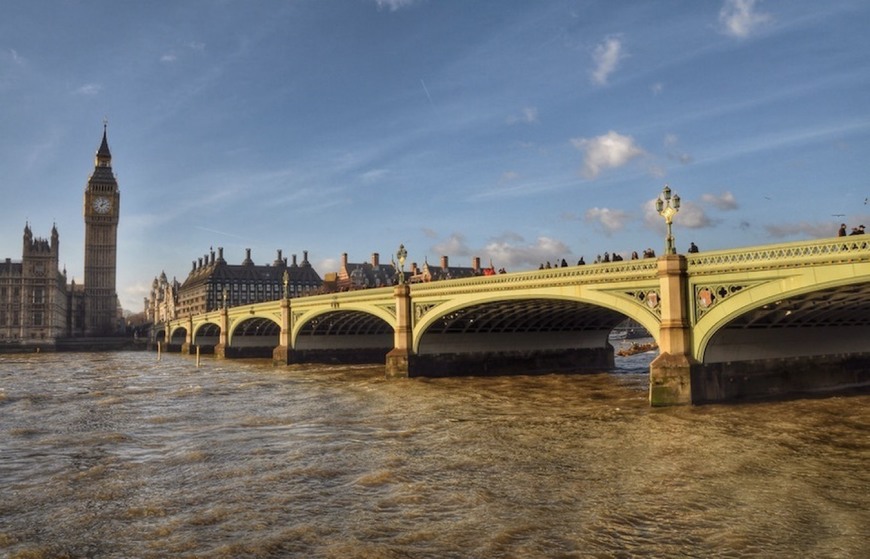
(668, 207)
(286, 280)
(401, 255)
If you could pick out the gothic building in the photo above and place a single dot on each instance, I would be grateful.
(33, 295)
(160, 306)
(101, 212)
(37, 306)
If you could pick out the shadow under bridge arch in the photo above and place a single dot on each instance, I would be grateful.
(344, 336)
(207, 336)
(254, 337)
(538, 335)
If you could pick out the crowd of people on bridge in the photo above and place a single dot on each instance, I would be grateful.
(855, 230)
(615, 257)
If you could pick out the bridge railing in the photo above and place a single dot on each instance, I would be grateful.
(626, 270)
(836, 250)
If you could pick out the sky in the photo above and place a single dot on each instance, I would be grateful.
(520, 132)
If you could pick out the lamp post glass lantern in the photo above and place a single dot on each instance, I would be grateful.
(401, 255)
(668, 205)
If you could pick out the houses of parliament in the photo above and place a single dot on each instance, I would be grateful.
(38, 307)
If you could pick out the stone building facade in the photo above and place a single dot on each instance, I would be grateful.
(33, 294)
(213, 283)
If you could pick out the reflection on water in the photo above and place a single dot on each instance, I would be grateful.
(119, 455)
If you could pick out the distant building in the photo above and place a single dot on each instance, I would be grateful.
(365, 275)
(33, 295)
(212, 281)
(444, 271)
(161, 305)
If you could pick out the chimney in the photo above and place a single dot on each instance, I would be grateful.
(294, 261)
(376, 259)
(221, 255)
(200, 262)
(211, 257)
(278, 261)
(344, 261)
(443, 262)
(475, 263)
(193, 269)
(304, 257)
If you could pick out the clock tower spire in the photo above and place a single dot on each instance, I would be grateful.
(101, 212)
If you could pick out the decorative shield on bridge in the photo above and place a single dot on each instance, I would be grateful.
(652, 299)
(705, 297)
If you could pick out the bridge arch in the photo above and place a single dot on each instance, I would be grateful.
(345, 328)
(206, 334)
(253, 331)
(797, 312)
(177, 335)
(538, 321)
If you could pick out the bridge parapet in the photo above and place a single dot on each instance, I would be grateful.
(838, 250)
(610, 272)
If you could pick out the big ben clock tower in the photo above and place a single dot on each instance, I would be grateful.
(102, 200)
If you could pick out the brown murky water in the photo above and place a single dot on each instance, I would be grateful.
(119, 455)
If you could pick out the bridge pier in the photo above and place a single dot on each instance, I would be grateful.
(398, 359)
(670, 374)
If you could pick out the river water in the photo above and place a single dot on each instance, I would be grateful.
(123, 455)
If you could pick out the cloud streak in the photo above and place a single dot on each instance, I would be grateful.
(740, 19)
(606, 57)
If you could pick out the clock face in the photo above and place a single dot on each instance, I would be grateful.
(102, 205)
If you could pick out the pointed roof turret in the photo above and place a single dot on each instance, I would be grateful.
(104, 156)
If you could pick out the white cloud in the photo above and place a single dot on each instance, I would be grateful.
(168, 58)
(609, 151)
(693, 216)
(89, 89)
(724, 201)
(609, 220)
(529, 115)
(606, 57)
(393, 5)
(374, 176)
(15, 57)
(657, 88)
(509, 252)
(454, 245)
(740, 19)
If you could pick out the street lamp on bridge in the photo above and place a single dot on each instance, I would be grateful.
(668, 207)
(401, 255)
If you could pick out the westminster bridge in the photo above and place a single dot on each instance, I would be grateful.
(753, 322)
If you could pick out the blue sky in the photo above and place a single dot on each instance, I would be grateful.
(517, 131)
